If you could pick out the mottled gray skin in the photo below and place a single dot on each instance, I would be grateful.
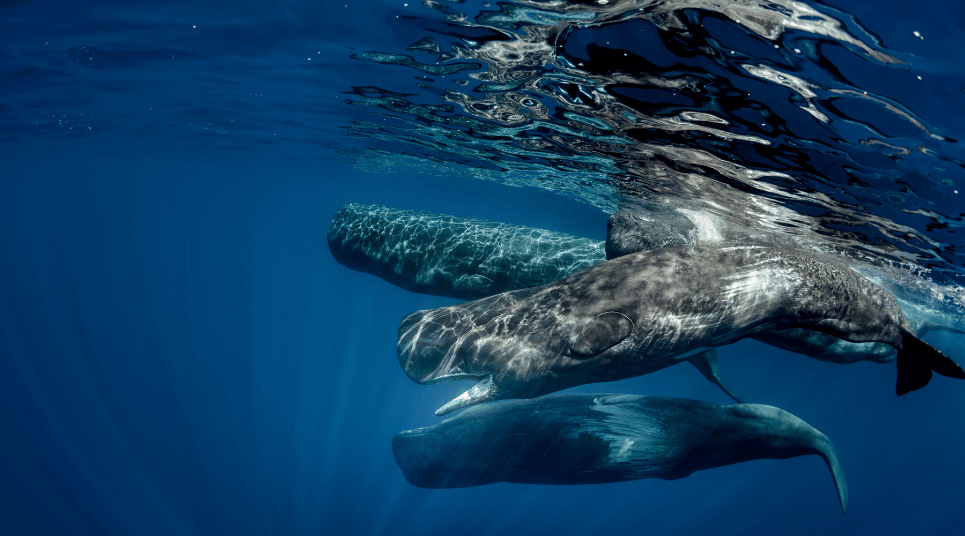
(454, 257)
(629, 231)
(829, 348)
(461, 258)
(592, 439)
(638, 314)
(832, 349)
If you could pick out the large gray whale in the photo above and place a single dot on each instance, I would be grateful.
(454, 257)
(647, 311)
(590, 439)
(631, 231)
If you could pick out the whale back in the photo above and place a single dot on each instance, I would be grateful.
(631, 231)
(454, 257)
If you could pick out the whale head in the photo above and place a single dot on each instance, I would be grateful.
(452, 455)
(514, 345)
(449, 344)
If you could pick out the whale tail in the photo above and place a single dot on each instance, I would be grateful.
(827, 450)
(917, 360)
(770, 432)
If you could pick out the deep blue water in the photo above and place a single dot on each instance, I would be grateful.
(180, 354)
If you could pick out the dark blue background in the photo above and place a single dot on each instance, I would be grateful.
(179, 353)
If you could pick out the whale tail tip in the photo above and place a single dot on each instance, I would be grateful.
(917, 360)
(827, 450)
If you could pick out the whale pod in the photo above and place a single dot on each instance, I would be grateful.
(590, 439)
(454, 257)
(647, 311)
(463, 258)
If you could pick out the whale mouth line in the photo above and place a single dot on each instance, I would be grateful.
(483, 391)
(455, 377)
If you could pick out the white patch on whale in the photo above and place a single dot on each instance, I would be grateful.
(480, 389)
(708, 227)
(628, 432)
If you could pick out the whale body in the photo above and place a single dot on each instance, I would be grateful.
(454, 257)
(647, 311)
(630, 231)
(591, 439)
(824, 347)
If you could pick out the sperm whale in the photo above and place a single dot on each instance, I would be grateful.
(647, 311)
(591, 439)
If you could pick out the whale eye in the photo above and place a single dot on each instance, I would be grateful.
(604, 332)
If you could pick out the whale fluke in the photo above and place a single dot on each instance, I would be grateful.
(481, 392)
(916, 361)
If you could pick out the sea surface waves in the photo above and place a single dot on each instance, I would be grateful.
(775, 115)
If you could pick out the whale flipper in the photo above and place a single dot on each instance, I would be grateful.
(916, 361)
(708, 365)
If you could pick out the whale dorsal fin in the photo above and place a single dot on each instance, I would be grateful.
(708, 365)
(603, 332)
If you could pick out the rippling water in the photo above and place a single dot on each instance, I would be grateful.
(779, 115)
(180, 354)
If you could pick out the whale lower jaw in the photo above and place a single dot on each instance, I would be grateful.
(481, 392)
(455, 376)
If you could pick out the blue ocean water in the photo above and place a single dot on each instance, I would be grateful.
(180, 353)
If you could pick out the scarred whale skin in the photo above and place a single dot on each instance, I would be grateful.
(591, 439)
(454, 257)
(643, 312)
(828, 348)
(630, 231)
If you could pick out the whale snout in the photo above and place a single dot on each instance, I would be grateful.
(426, 345)
(419, 454)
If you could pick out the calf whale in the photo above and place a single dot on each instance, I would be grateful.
(647, 311)
(454, 257)
(591, 439)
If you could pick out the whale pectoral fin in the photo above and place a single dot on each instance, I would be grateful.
(708, 365)
(916, 361)
(603, 332)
